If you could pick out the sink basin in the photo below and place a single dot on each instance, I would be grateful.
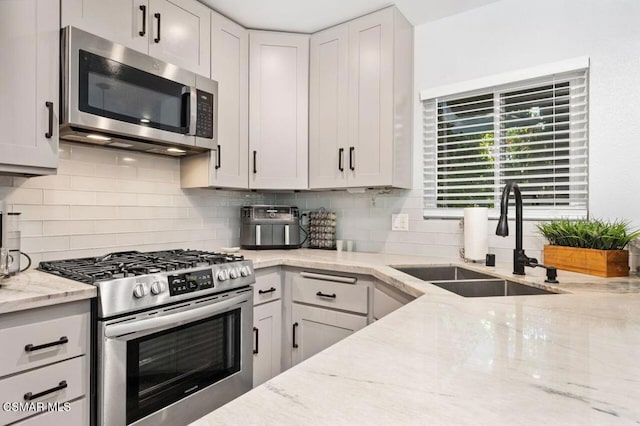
(440, 273)
(489, 288)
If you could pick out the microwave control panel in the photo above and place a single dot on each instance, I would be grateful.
(190, 282)
(204, 122)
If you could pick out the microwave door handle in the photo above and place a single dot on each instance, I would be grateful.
(193, 110)
(172, 320)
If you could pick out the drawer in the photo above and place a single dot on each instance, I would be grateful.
(39, 343)
(75, 413)
(322, 290)
(74, 373)
(268, 287)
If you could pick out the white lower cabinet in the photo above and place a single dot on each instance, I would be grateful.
(326, 308)
(45, 361)
(315, 329)
(267, 325)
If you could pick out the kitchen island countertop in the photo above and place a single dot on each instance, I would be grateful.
(445, 359)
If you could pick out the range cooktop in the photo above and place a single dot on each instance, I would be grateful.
(132, 280)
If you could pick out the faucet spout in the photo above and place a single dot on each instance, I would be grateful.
(520, 259)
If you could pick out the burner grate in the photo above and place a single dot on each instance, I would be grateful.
(91, 270)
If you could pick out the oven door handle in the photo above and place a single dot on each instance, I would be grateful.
(172, 320)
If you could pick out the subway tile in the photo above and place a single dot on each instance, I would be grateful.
(44, 244)
(55, 196)
(92, 212)
(44, 182)
(116, 199)
(155, 200)
(25, 196)
(87, 183)
(40, 212)
(92, 241)
(67, 227)
(31, 228)
(70, 168)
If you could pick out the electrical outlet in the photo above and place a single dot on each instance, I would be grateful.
(400, 222)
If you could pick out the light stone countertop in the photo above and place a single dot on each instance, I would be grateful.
(444, 359)
(34, 289)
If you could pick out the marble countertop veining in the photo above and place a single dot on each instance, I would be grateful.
(444, 359)
(34, 289)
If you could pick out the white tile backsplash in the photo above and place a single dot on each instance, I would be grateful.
(366, 219)
(106, 200)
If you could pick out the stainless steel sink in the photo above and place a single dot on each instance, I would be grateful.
(440, 273)
(469, 283)
(489, 288)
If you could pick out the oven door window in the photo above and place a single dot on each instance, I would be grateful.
(113, 90)
(170, 365)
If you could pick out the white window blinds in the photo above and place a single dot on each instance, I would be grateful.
(532, 132)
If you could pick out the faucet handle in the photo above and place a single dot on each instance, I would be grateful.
(552, 275)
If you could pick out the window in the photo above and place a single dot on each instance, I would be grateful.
(532, 132)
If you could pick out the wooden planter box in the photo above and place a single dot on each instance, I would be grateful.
(602, 263)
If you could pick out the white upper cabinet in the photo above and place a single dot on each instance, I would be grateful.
(175, 31)
(278, 110)
(378, 93)
(122, 21)
(228, 166)
(29, 48)
(328, 106)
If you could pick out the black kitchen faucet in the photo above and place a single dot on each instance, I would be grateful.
(520, 259)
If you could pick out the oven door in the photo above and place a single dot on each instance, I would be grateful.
(173, 366)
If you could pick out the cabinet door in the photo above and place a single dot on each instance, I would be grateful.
(278, 110)
(122, 21)
(267, 329)
(315, 329)
(29, 48)
(371, 99)
(230, 68)
(180, 33)
(328, 99)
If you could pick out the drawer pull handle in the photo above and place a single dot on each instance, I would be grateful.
(256, 333)
(321, 294)
(295, 325)
(29, 396)
(31, 348)
(271, 290)
(325, 277)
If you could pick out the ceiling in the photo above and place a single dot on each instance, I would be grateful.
(308, 16)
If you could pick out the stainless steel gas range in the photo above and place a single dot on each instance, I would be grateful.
(172, 333)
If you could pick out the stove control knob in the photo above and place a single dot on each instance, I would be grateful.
(245, 271)
(157, 287)
(234, 273)
(140, 290)
(221, 275)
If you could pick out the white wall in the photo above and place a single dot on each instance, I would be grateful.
(105, 200)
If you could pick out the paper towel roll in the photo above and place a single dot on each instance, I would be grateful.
(476, 232)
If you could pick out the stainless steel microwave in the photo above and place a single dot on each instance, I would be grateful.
(115, 96)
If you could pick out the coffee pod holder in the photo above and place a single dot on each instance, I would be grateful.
(322, 229)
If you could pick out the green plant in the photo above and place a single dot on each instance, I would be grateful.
(588, 233)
